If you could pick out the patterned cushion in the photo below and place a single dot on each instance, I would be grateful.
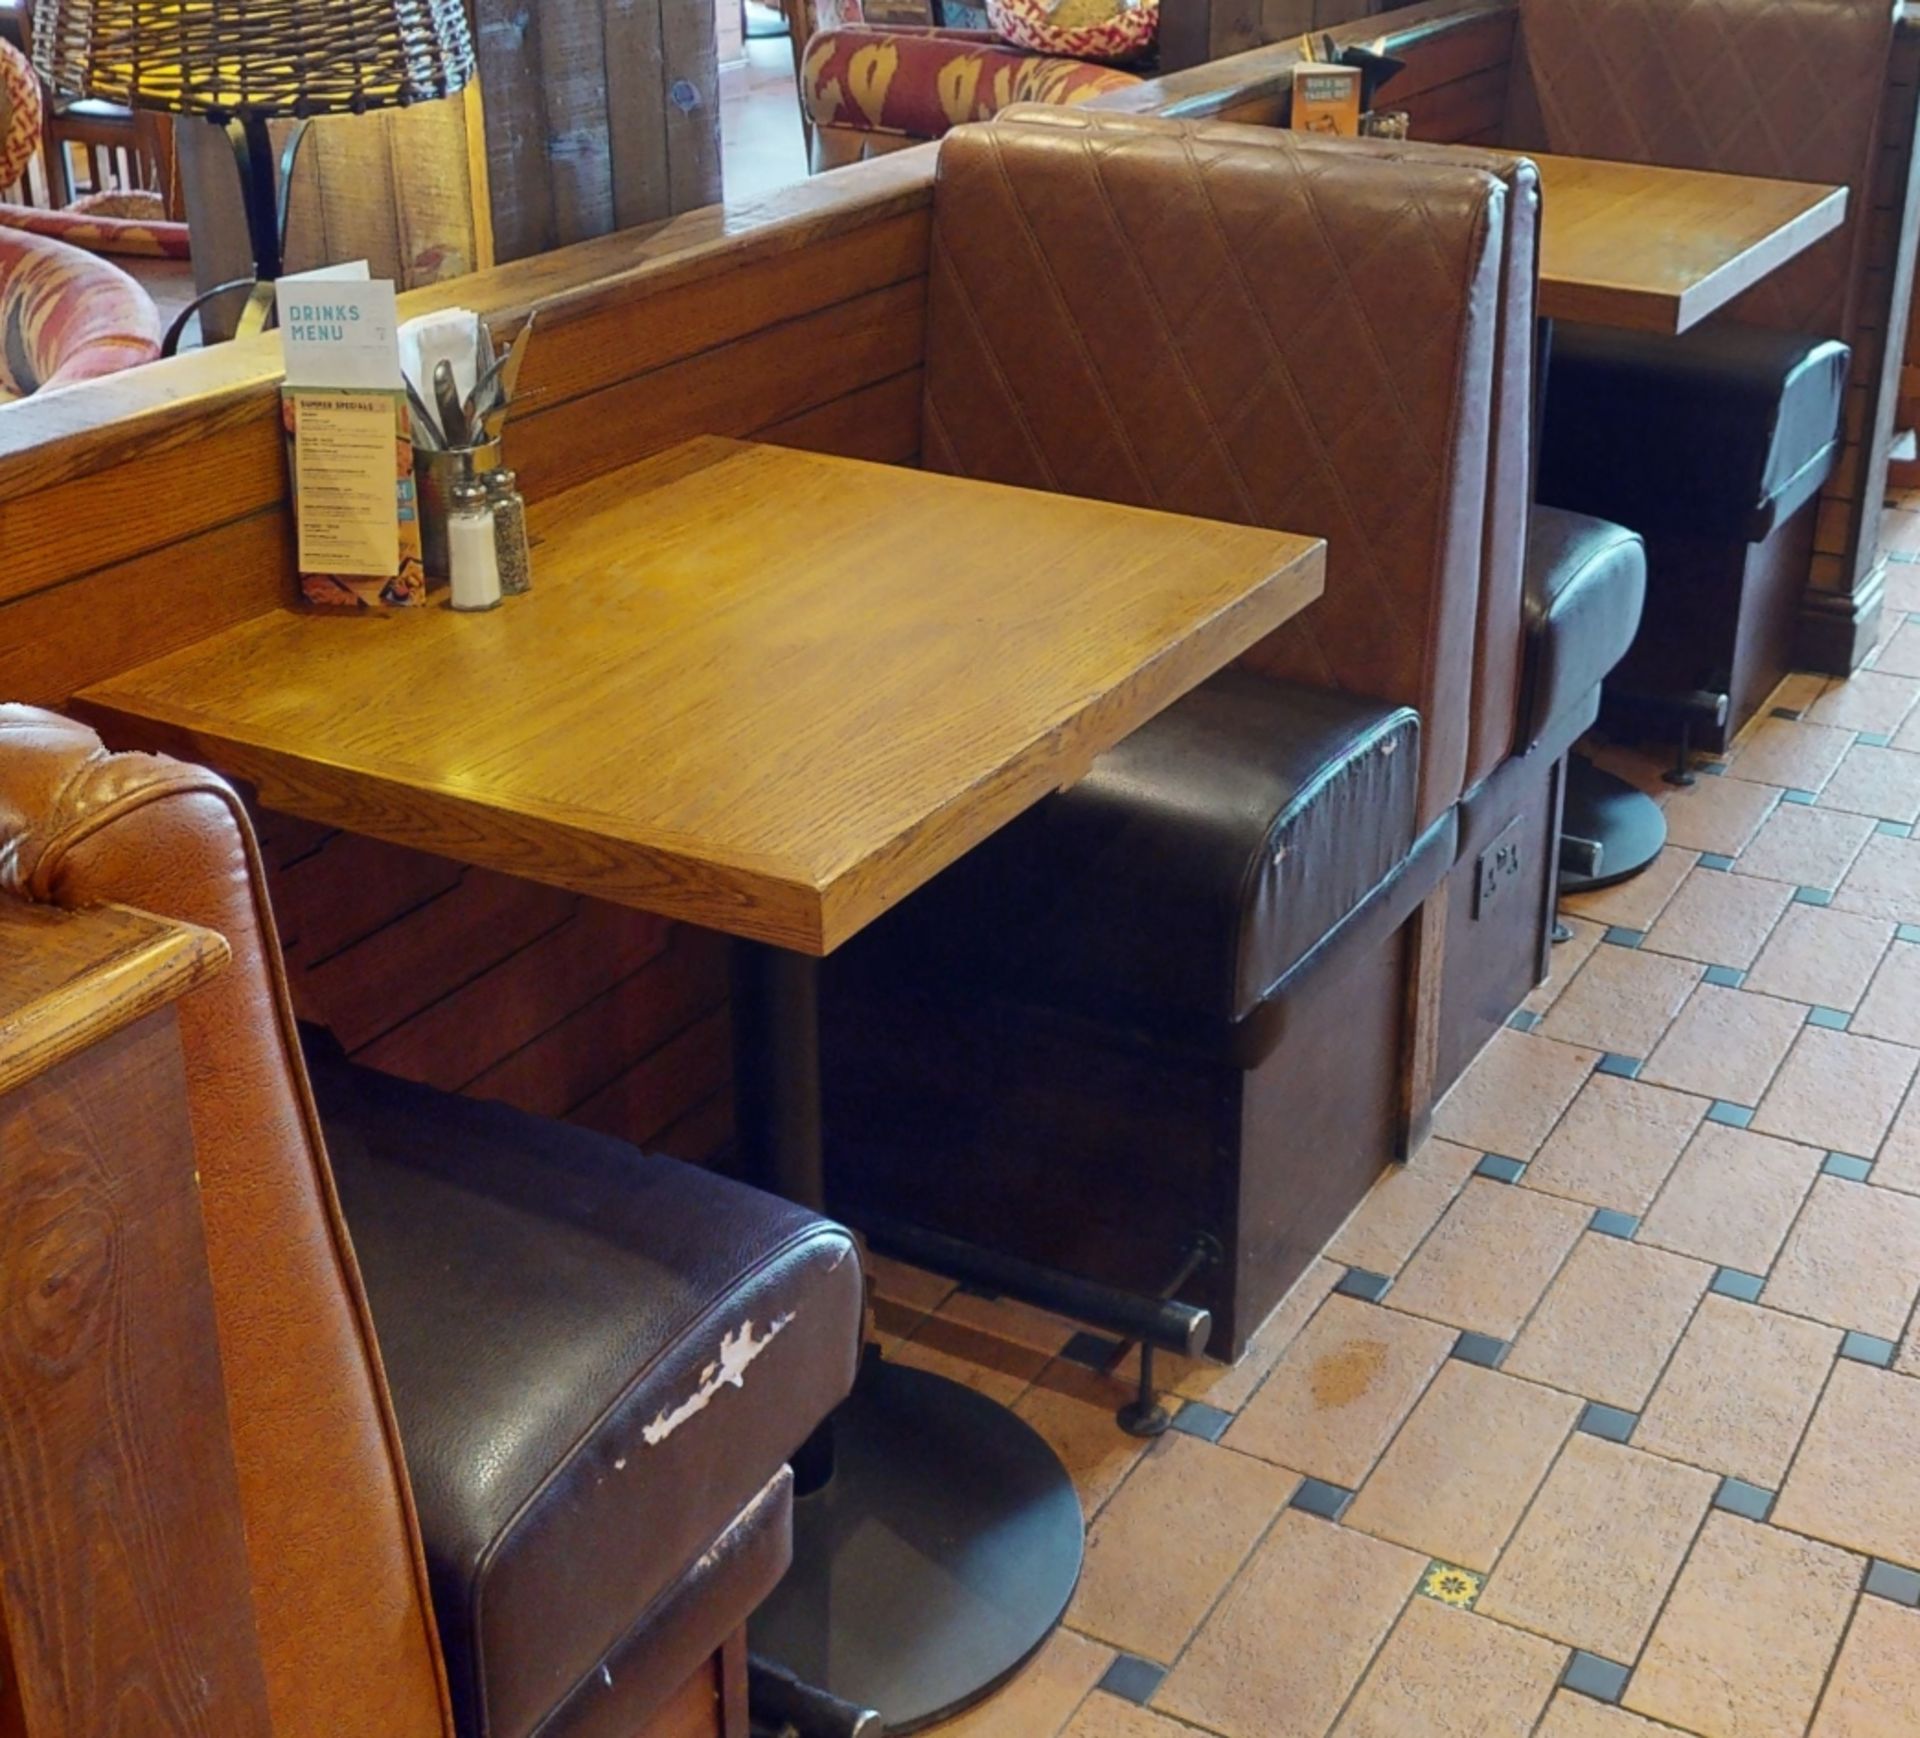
(97, 224)
(918, 83)
(66, 316)
(19, 114)
(1083, 29)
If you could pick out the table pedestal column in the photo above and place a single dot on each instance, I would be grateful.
(937, 1538)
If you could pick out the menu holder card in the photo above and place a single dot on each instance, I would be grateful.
(350, 443)
(1326, 99)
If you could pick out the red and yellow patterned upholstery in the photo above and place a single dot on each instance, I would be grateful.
(131, 223)
(67, 316)
(20, 114)
(916, 83)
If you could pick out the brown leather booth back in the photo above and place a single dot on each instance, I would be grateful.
(1211, 320)
(1789, 89)
(345, 1624)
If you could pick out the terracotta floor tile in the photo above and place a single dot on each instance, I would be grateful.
(995, 1367)
(1635, 762)
(1852, 1259)
(1449, 1674)
(1891, 1007)
(1104, 1716)
(1041, 1697)
(1447, 1160)
(1340, 1390)
(912, 1286)
(1903, 585)
(1487, 1262)
(1616, 1144)
(1837, 1090)
(1732, 1198)
(1623, 1000)
(1386, 1228)
(1790, 756)
(1856, 1480)
(1885, 879)
(1882, 782)
(1798, 690)
(1091, 1445)
(1566, 958)
(1229, 1386)
(1898, 1166)
(1726, 1044)
(1719, 919)
(1718, 814)
(1284, 1649)
(1575, 1716)
(1607, 1324)
(1901, 653)
(1866, 701)
(1192, 1511)
(1820, 955)
(1511, 1097)
(1804, 846)
(1743, 1647)
(1739, 1391)
(1006, 1319)
(1636, 903)
(1875, 1688)
(1600, 1547)
(1466, 1463)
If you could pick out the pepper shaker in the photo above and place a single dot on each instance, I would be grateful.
(471, 550)
(510, 532)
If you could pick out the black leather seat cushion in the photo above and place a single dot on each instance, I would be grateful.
(1586, 580)
(598, 1359)
(1723, 432)
(1193, 866)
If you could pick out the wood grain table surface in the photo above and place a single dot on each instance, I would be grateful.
(1658, 250)
(765, 691)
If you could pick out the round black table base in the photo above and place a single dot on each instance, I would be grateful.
(1628, 824)
(938, 1557)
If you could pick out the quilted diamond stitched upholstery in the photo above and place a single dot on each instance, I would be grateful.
(1783, 88)
(1499, 637)
(1216, 321)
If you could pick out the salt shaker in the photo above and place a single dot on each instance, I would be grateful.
(471, 551)
(510, 532)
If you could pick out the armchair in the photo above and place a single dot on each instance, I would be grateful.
(869, 88)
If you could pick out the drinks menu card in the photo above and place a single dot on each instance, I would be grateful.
(345, 412)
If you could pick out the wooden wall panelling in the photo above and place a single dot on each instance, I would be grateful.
(601, 115)
(798, 317)
(1443, 42)
(126, 1612)
(1840, 610)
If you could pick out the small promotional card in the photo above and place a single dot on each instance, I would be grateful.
(345, 413)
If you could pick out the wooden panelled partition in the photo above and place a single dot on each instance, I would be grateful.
(141, 513)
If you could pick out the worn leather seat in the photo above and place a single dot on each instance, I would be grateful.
(1727, 431)
(1586, 580)
(445, 1475)
(1169, 1009)
(1714, 446)
(1194, 867)
(550, 1304)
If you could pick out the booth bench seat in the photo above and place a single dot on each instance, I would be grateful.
(1714, 446)
(514, 1424)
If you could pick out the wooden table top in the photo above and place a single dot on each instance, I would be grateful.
(764, 691)
(1658, 250)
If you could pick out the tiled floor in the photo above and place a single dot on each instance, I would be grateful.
(1630, 1445)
